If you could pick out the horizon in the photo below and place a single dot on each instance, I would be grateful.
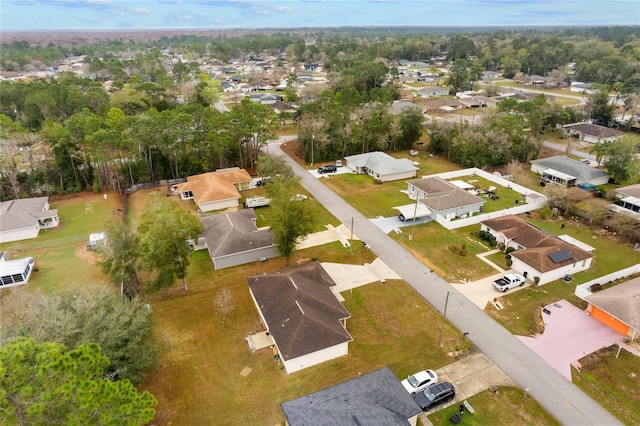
(105, 15)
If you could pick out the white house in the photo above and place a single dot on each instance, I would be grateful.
(430, 91)
(302, 315)
(566, 171)
(443, 198)
(579, 86)
(381, 166)
(215, 190)
(627, 200)
(24, 218)
(538, 253)
(15, 272)
(592, 133)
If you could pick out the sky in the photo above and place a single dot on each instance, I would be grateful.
(154, 14)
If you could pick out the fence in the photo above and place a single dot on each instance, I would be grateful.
(536, 204)
(584, 290)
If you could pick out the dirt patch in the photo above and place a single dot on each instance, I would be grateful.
(291, 149)
(461, 250)
(89, 256)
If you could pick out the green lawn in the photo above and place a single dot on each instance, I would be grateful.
(613, 382)
(506, 197)
(499, 259)
(506, 406)
(198, 381)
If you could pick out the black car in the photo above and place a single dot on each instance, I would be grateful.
(328, 169)
(435, 394)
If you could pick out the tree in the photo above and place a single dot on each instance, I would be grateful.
(272, 165)
(290, 219)
(599, 108)
(617, 156)
(410, 122)
(223, 303)
(121, 327)
(165, 232)
(120, 258)
(46, 384)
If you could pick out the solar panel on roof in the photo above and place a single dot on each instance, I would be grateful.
(560, 256)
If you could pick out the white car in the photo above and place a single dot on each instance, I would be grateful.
(420, 381)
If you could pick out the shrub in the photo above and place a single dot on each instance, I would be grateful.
(510, 250)
(509, 262)
(536, 280)
(482, 234)
(544, 212)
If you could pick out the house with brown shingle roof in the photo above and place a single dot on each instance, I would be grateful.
(232, 238)
(302, 315)
(215, 190)
(23, 218)
(444, 198)
(618, 307)
(592, 133)
(538, 253)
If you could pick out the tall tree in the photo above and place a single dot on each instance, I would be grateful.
(121, 327)
(119, 258)
(165, 233)
(598, 107)
(617, 156)
(290, 219)
(44, 384)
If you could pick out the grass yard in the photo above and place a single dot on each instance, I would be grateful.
(521, 313)
(506, 197)
(506, 406)
(499, 259)
(440, 249)
(613, 382)
(199, 379)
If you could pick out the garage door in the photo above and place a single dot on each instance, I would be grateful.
(610, 321)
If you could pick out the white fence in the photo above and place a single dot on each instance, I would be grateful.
(538, 203)
(584, 290)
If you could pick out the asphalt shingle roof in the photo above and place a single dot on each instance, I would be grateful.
(441, 195)
(302, 313)
(23, 213)
(571, 167)
(622, 301)
(381, 163)
(373, 399)
(234, 232)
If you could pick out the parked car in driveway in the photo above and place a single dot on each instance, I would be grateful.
(435, 394)
(328, 169)
(420, 381)
(509, 281)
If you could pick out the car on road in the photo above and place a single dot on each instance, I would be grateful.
(435, 394)
(338, 163)
(331, 168)
(420, 381)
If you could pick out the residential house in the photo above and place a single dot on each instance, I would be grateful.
(592, 133)
(476, 101)
(627, 200)
(302, 315)
(431, 91)
(215, 190)
(23, 218)
(279, 106)
(374, 399)
(618, 307)
(398, 107)
(579, 87)
(311, 68)
(15, 272)
(488, 75)
(566, 171)
(382, 167)
(232, 239)
(444, 198)
(265, 98)
(538, 253)
(443, 105)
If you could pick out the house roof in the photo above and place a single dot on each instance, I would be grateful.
(302, 313)
(14, 267)
(215, 186)
(593, 130)
(234, 232)
(381, 163)
(621, 301)
(433, 89)
(629, 191)
(540, 247)
(24, 213)
(441, 195)
(373, 399)
(399, 106)
(571, 167)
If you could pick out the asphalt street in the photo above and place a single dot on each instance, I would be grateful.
(561, 398)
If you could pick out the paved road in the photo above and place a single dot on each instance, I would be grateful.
(562, 399)
(563, 149)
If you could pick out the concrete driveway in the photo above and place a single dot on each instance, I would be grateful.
(569, 334)
(482, 291)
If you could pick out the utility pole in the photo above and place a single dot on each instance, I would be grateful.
(444, 316)
(351, 239)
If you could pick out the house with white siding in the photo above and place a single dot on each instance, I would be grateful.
(23, 218)
(566, 171)
(382, 167)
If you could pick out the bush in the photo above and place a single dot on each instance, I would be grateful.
(509, 262)
(536, 280)
(544, 212)
(482, 234)
(510, 250)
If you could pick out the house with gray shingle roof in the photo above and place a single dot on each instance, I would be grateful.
(618, 307)
(373, 399)
(382, 167)
(302, 315)
(429, 91)
(232, 238)
(24, 218)
(566, 171)
(538, 253)
(444, 198)
(627, 200)
(592, 133)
